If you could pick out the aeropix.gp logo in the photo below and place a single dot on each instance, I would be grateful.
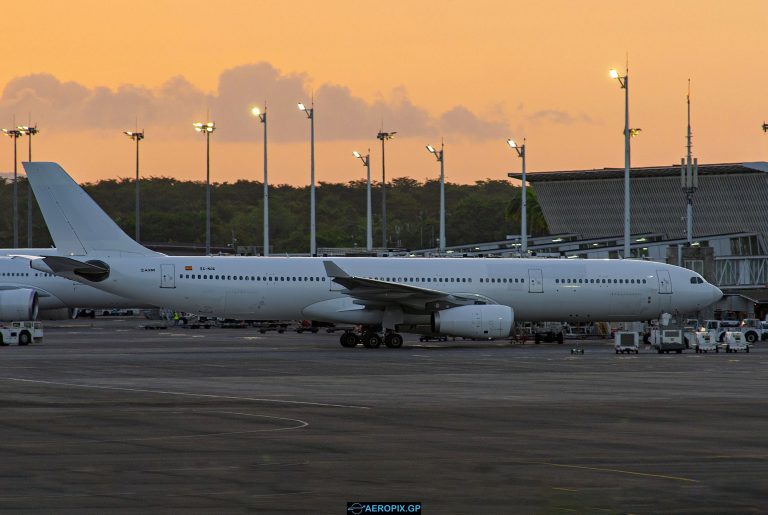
(360, 508)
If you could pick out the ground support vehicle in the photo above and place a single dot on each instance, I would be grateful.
(21, 333)
(703, 343)
(627, 342)
(734, 341)
(668, 340)
(229, 323)
(718, 328)
(270, 325)
(548, 332)
(754, 330)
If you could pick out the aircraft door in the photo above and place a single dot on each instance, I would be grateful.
(665, 282)
(167, 276)
(535, 281)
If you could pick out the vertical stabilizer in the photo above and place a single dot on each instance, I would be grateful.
(77, 224)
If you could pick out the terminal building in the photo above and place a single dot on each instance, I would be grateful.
(584, 210)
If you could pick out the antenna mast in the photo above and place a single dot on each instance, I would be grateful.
(689, 174)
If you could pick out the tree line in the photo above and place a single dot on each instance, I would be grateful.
(173, 212)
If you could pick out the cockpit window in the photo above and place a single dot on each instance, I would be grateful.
(696, 280)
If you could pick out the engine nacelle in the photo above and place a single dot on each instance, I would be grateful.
(18, 304)
(475, 321)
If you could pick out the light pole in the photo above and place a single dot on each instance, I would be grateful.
(15, 134)
(524, 202)
(137, 136)
(310, 112)
(263, 119)
(207, 128)
(628, 133)
(384, 136)
(29, 131)
(366, 159)
(439, 155)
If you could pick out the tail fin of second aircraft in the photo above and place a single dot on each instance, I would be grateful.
(77, 224)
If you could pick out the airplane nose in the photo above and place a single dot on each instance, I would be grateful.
(717, 294)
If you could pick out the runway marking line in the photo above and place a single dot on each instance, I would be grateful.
(185, 394)
(617, 471)
(564, 489)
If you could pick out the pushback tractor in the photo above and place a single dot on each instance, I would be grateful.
(21, 333)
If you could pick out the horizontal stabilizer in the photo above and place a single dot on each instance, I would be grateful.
(68, 267)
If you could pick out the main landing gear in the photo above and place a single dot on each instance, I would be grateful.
(371, 339)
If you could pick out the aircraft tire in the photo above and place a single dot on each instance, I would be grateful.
(393, 341)
(348, 340)
(371, 340)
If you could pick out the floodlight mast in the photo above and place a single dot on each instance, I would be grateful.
(137, 136)
(263, 119)
(524, 199)
(366, 159)
(628, 133)
(439, 156)
(384, 136)
(29, 130)
(310, 112)
(15, 134)
(207, 128)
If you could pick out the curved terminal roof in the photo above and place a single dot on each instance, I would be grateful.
(649, 171)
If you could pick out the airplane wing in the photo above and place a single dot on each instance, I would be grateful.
(375, 292)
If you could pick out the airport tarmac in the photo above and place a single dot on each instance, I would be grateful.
(106, 417)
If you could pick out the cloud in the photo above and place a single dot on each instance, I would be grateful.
(172, 107)
(461, 120)
(559, 117)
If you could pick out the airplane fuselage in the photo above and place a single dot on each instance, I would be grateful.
(266, 288)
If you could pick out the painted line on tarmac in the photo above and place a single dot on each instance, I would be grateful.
(617, 471)
(185, 394)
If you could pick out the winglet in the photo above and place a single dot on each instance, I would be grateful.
(334, 271)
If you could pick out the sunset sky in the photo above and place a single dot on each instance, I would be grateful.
(473, 73)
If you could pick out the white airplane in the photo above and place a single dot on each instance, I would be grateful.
(476, 298)
(25, 292)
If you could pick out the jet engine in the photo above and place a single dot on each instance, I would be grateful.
(475, 321)
(18, 304)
